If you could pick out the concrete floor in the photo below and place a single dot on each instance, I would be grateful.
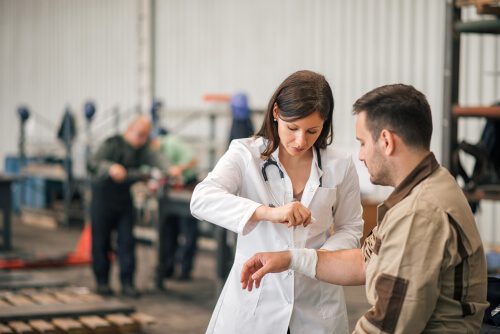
(184, 307)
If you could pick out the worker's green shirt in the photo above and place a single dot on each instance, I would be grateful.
(177, 152)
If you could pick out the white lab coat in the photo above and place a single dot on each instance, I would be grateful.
(229, 196)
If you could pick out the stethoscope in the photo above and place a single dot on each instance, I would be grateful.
(271, 162)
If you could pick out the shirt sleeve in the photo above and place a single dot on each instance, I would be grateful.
(215, 199)
(155, 158)
(348, 220)
(405, 269)
(176, 150)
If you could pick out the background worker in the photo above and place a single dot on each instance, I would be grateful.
(181, 232)
(423, 264)
(119, 162)
(268, 189)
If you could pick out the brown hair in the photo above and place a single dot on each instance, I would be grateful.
(300, 95)
(399, 108)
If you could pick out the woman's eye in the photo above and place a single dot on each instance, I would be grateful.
(312, 132)
(292, 129)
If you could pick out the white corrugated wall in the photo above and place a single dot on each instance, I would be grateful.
(225, 46)
(56, 52)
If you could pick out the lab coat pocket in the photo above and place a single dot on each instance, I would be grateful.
(322, 207)
(249, 303)
(247, 300)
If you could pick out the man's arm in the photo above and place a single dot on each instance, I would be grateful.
(405, 284)
(343, 267)
(100, 162)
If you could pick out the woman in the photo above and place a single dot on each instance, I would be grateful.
(287, 187)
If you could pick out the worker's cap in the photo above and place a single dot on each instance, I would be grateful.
(239, 106)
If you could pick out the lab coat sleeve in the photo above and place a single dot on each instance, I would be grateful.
(216, 198)
(348, 221)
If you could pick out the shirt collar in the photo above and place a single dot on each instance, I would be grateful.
(425, 168)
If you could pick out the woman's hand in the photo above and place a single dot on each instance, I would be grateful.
(292, 214)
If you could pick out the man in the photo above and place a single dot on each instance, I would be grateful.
(423, 265)
(118, 163)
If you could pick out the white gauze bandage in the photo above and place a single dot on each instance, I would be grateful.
(304, 261)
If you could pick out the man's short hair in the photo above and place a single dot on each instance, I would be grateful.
(398, 108)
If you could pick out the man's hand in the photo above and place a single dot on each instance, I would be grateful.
(261, 264)
(118, 173)
(175, 171)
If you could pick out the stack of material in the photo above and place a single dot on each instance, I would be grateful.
(67, 310)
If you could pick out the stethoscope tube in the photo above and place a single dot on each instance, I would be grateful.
(271, 162)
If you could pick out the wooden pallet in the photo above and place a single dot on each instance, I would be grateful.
(67, 310)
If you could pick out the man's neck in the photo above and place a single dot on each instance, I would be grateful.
(406, 163)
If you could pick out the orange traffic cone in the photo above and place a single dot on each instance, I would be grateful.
(82, 253)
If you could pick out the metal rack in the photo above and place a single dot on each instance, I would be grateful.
(455, 26)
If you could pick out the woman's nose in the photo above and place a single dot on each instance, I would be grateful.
(300, 139)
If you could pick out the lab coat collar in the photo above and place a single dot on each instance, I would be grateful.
(315, 164)
(313, 182)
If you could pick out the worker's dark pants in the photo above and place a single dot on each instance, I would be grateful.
(183, 230)
(104, 221)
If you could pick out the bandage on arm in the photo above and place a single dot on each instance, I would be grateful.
(304, 261)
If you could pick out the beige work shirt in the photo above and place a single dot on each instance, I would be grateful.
(425, 263)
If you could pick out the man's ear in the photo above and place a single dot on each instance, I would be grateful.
(387, 141)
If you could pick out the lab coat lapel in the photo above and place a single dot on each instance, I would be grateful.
(276, 186)
(313, 183)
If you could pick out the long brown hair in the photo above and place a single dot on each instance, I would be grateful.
(300, 95)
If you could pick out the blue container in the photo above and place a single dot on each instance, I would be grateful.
(31, 191)
(35, 193)
(13, 166)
